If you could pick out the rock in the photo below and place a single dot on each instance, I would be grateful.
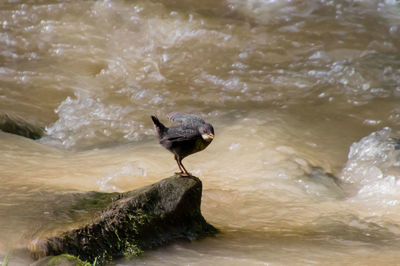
(61, 260)
(137, 220)
(20, 127)
(326, 182)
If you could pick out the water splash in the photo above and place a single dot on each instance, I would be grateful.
(84, 119)
(374, 167)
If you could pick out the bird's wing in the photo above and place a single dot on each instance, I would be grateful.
(180, 134)
(186, 120)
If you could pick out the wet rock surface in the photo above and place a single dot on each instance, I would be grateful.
(18, 126)
(136, 220)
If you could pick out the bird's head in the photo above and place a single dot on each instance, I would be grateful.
(207, 132)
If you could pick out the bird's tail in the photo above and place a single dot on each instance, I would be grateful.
(160, 128)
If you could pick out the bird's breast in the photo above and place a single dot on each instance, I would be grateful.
(201, 144)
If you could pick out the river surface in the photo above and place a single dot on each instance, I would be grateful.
(299, 92)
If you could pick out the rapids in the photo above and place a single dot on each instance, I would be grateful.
(298, 92)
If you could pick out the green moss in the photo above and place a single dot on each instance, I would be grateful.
(135, 220)
(63, 258)
(92, 201)
(116, 233)
(6, 259)
(132, 250)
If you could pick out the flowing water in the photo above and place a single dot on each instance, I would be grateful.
(298, 92)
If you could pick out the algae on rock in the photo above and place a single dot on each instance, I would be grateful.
(62, 260)
(140, 219)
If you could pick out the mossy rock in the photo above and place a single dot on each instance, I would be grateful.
(137, 220)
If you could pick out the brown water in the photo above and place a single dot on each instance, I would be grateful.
(294, 89)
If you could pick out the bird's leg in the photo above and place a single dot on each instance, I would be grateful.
(186, 172)
(179, 165)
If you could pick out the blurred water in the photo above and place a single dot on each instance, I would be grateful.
(298, 92)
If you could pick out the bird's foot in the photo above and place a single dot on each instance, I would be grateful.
(183, 174)
(186, 175)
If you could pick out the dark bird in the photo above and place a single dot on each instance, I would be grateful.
(190, 136)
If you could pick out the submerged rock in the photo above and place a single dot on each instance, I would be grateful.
(325, 183)
(20, 127)
(140, 219)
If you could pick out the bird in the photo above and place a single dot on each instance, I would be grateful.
(191, 135)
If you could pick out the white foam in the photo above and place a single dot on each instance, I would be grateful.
(373, 167)
(85, 119)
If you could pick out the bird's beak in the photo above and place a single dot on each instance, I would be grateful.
(207, 137)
